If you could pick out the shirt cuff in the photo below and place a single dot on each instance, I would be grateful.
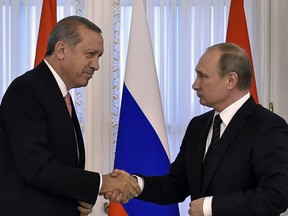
(140, 181)
(100, 184)
(207, 206)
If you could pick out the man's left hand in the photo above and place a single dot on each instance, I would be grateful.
(196, 207)
(84, 208)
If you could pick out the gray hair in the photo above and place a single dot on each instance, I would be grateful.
(67, 30)
(234, 58)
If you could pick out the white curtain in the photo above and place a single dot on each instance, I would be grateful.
(19, 22)
(181, 31)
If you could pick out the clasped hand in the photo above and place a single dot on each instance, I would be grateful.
(119, 186)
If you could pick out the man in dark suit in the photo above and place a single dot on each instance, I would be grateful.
(245, 171)
(41, 147)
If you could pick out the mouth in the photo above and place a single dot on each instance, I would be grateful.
(89, 73)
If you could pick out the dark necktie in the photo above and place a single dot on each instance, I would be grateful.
(210, 155)
(216, 132)
(215, 137)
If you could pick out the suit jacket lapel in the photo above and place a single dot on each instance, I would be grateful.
(196, 153)
(234, 128)
(79, 137)
(55, 94)
(59, 105)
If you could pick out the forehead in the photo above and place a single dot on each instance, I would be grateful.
(208, 60)
(90, 38)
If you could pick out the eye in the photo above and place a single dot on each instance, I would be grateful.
(90, 54)
(201, 75)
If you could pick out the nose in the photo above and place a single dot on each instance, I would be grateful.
(195, 85)
(95, 63)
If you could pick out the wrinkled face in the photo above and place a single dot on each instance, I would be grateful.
(78, 64)
(210, 87)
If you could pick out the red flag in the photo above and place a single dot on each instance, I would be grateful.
(117, 209)
(237, 33)
(47, 21)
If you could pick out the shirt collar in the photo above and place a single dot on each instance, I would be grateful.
(58, 79)
(228, 113)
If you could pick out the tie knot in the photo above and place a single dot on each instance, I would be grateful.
(217, 120)
(67, 99)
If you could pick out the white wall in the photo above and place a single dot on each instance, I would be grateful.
(268, 33)
(279, 57)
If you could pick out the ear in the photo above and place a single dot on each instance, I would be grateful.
(232, 80)
(60, 48)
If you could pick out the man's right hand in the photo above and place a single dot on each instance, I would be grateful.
(120, 186)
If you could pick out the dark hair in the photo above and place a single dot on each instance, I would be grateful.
(234, 58)
(67, 30)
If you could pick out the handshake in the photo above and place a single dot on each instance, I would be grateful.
(119, 186)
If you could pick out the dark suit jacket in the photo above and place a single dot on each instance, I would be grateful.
(40, 173)
(247, 173)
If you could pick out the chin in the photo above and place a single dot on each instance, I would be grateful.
(202, 102)
(84, 83)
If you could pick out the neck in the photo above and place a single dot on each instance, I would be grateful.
(231, 99)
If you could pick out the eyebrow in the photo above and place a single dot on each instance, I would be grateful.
(94, 52)
(201, 73)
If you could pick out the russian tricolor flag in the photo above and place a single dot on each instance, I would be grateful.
(142, 145)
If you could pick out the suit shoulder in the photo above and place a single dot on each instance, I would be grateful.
(23, 83)
(262, 114)
(201, 119)
(31, 80)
